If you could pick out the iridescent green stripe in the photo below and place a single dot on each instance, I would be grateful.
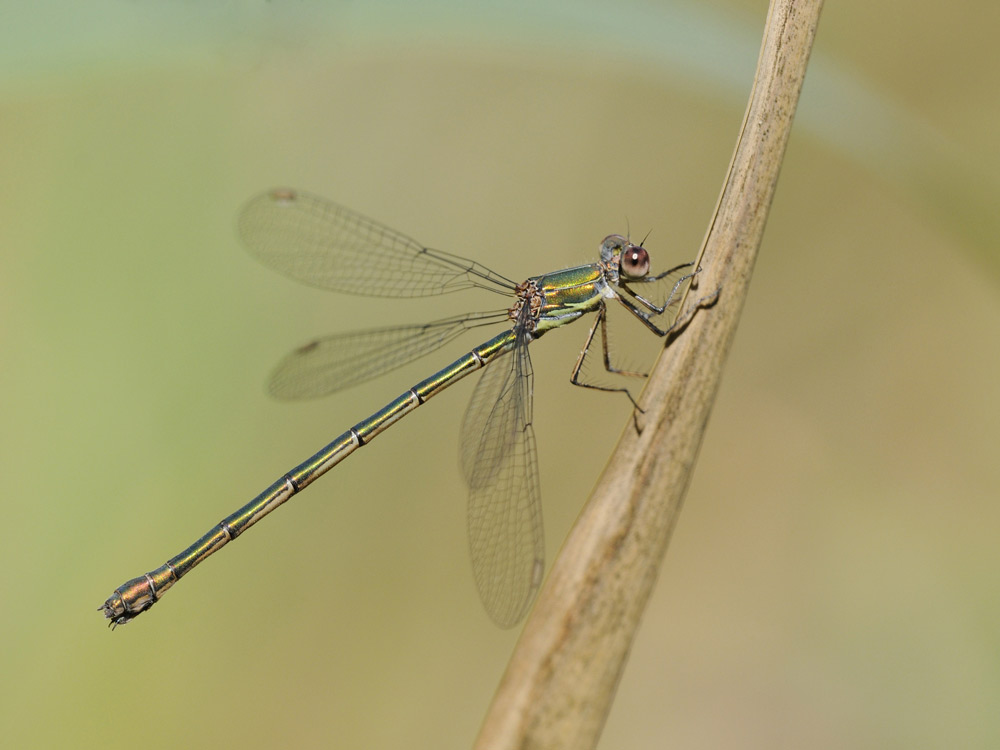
(386, 416)
(479, 357)
(316, 466)
(139, 594)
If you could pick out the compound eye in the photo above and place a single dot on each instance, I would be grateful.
(610, 245)
(635, 261)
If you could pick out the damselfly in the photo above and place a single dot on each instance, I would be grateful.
(323, 244)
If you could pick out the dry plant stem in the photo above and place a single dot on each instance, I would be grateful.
(561, 679)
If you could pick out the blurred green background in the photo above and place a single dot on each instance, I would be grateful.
(833, 579)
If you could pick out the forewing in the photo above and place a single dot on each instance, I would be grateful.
(318, 242)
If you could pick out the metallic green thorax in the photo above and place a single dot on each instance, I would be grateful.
(563, 296)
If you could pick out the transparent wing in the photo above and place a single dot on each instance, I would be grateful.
(500, 465)
(340, 361)
(323, 244)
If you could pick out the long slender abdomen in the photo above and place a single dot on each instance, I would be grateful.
(139, 594)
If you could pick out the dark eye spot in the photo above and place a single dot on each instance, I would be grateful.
(635, 261)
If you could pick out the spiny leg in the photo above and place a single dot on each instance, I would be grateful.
(676, 327)
(632, 302)
(659, 309)
(607, 355)
(679, 324)
(575, 375)
(687, 316)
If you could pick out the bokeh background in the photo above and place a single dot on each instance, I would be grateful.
(833, 580)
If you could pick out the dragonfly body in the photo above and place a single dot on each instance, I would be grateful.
(136, 596)
(569, 294)
(498, 454)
